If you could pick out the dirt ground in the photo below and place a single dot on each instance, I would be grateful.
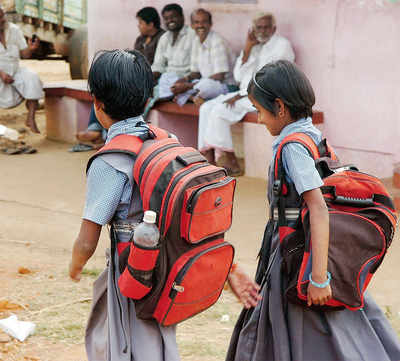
(41, 200)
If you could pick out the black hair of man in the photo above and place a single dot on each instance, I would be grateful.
(149, 15)
(284, 80)
(122, 80)
(201, 11)
(172, 7)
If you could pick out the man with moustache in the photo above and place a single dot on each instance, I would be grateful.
(216, 116)
(18, 83)
(172, 58)
(211, 63)
(175, 46)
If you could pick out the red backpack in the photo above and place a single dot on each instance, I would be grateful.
(193, 201)
(362, 222)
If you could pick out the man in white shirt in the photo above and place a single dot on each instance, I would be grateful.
(16, 83)
(174, 47)
(216, 116)
(172, 58)
(211, 63)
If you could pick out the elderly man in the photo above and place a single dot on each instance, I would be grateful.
(211, 63)
(216, 116)
(17, 83)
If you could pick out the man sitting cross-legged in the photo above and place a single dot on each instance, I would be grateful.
(211, 64)
(18, 83)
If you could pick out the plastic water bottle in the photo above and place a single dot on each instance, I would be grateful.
(9, 133)
(146, 233)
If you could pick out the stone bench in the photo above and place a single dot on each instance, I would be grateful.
(68, 106)
(251, 140)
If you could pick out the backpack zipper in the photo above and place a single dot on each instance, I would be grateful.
(196, 194)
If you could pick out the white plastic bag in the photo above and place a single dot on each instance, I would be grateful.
(18, 329)
(8, 133)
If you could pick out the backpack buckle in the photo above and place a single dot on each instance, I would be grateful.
(277, 187)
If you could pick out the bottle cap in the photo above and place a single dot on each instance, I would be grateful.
(150, 217)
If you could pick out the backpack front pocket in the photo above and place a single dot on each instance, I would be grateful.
(207, 210)
(195, 282)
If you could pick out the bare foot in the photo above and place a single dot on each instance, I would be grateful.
(31, 124)
(89, 136)
(209, 154)
(32, 106)
(198, 100)
(231, 164)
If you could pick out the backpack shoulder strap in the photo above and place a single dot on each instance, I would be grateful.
(124, 143)
(301, 138)
(128, 144)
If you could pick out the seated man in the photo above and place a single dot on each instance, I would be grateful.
(211, 64)
(150, 33)
(172, 59)
(17, 83)
(216, 116)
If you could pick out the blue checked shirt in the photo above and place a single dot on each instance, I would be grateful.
(297, 162)
(109, 191)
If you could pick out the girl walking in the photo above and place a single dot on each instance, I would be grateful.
(271, 328)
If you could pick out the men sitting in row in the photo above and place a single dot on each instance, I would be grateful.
(210, 66)
(150, 32)
(216, 116)
(18, 83)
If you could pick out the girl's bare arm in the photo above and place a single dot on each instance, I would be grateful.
(84, 247)
(319, 223)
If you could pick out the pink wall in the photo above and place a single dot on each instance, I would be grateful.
(350, 49)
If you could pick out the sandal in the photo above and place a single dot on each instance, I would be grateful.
(234, 172)
(81, 148)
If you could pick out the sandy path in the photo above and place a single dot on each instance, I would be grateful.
(41, 199)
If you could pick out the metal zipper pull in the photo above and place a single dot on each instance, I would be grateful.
(178, 288)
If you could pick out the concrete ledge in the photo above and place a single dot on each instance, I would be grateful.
(193, 110)
(67, 106)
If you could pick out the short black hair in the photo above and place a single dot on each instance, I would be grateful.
(172, 7)
(122, 80)
(201, 11)
(284, 80)
(149, 15)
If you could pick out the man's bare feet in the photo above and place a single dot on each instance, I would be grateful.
(231, 164)
(32, 106)
(209, 154)
(198, 100)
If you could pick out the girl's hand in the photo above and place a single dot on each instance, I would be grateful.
(245, 289)
(318, 296)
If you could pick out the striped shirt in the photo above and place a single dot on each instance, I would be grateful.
(298, 164)
(174, 58)
(211, 57)
(109, 191)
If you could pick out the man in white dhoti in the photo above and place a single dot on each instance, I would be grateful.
(211, 63)
(216, 116)
(17, 83)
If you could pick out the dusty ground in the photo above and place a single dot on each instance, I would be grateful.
(41, 198)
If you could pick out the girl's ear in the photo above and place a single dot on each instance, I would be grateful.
(98, 104)
(280, 107)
